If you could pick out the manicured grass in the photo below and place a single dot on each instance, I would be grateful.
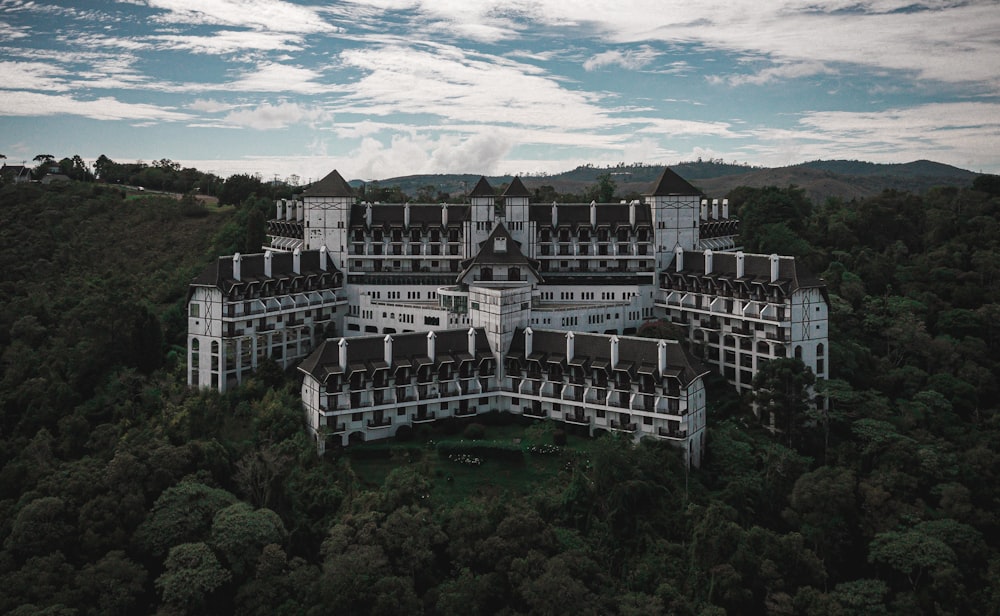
(454, 481)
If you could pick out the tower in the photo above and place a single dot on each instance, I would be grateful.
(515, 211)
(483, 209)
(327, 217)
(674, 205)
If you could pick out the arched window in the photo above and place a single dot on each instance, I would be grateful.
(798, 352)
(514, 273)
(486, 273)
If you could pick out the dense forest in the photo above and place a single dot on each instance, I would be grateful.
(122, 491)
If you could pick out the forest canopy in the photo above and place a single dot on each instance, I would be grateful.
(123, 491)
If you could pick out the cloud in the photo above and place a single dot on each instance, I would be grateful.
(267, 116)
(448, 82)
(31, 76)
(771, 74)
(261, 15)
(630, 59)
(21, 103)
(210, 105)
(275, 77)
(10, 33)
(230, 41)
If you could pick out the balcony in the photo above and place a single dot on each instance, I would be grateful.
(578, 419)
(383, 423)
(423, 418)
(618, 426)
(668, 433)
(334, 429)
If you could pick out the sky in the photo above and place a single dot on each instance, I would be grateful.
(381, 88)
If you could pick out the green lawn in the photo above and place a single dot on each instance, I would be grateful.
(454, 481)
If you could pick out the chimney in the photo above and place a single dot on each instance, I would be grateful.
(708, 261)
(472, 341)
(725, 209)
(593, 214)
(406, 215)
(704, 209)
(267, 264)
(740, 264)
(297, 261)
(775, 267)
(444, 214)
(279, 209)
(322, 257)
(679, 258)
(368, 215)
(715, 209)
(555, 215)
(528, 335)
(661, 355)
(300, 210)
(236, 266)
(631, 214)
(570, 345)
(431, 350)
(614, 352)
(387, 352)
(343, 354)
(289, 209)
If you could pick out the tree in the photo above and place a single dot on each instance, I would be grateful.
(182, 514)
(241, 532)
(112, 584)
(192, 573)
(782, 393)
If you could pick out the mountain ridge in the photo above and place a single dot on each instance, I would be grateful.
(821, 179)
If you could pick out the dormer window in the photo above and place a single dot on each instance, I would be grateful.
(500, 245)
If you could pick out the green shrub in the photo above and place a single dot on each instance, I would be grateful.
(474, 431)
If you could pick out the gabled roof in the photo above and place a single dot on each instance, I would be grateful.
(333, 185)
(407, 349)
(756, 268)
(482, 189)
(633, 352)
(516, 189)
(575, 214)
(488, 256)
(669, 183)
(220, 272)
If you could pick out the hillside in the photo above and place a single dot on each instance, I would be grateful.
(820, 179)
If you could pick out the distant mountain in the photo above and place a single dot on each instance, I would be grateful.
(821, 179)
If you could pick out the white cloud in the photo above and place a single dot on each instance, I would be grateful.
(264, 15)
(105, 108)
(32, 76)
(447, 82)
(230, 41)
(210, 105)
(630, 59)
(274, 77)
(267, 116)
(10, 33)
(770, 74)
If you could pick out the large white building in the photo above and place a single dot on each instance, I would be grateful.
(511, 305)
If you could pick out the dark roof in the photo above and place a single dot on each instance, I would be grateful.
(482, 189)
(421, 214)
(756, 268)
(333, 185)
(408, 349)
(220, 272)
(487, 254)
(632, 351)
(574, 214)
(516, 189)
(669, 183)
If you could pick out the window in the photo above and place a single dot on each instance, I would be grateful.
(195, 310)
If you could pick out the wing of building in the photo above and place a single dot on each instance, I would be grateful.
(413, 312)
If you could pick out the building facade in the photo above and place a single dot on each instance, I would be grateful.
(513, 273)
